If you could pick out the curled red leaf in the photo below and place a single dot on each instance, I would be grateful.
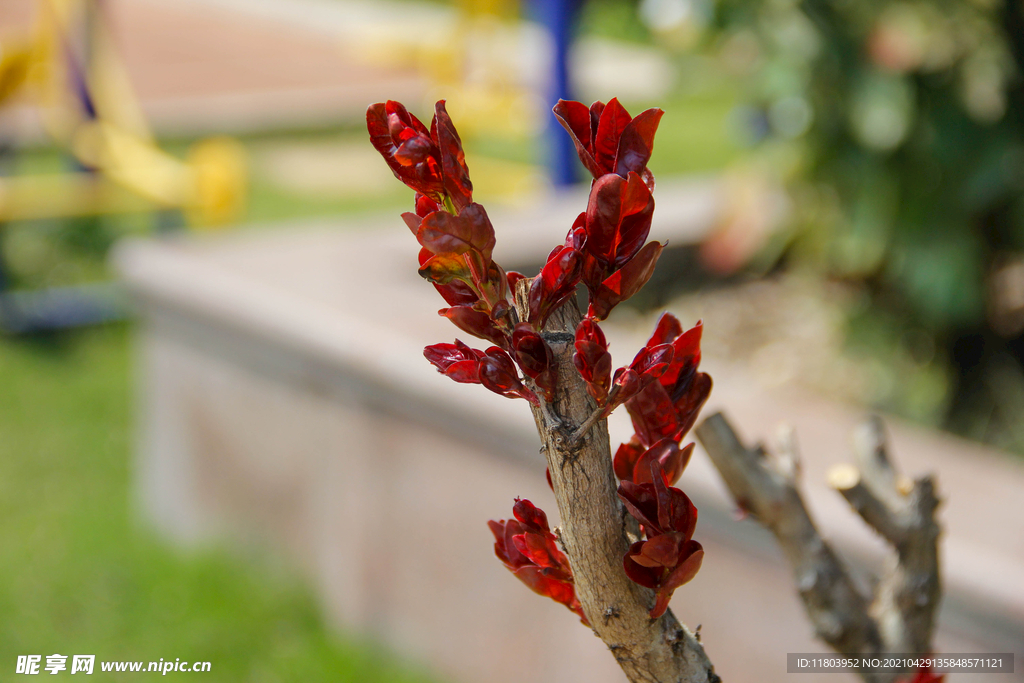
(458, 361)
(535, 358)
(607, 140)
(453, 160)
(592, 359)
(472, 321)
(526, 546)
(407, 147)
(555, 284)
(624, 283)
(669, 557)
(498, 373)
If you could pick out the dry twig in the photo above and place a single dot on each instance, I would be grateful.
(899, 617)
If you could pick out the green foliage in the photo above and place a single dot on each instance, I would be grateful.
(906, 118)
(77, 576)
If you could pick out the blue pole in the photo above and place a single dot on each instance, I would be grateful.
(559, 17)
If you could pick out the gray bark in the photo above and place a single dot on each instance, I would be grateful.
(596, 530)
(899, 617)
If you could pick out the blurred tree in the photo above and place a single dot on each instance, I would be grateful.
(898, 128)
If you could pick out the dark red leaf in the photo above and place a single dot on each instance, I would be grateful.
(418, 164)
(441, 232)
(535, 358)
(555, 284)
(661, 551)
(618, 218)
(592, 359)
(638, 573)
(532, 516)
(613, 121)
(526, 546)
(641, 502)
(624, 283)
(575, 118)
(513, 277)
(457, 361)
(453, 159)
(637, 142)
(475, 323)
(498, 373)
(665, 458)
(625, 458)
(653, 414)
(680, 575)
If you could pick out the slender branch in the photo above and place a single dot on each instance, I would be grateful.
(595, 530)
(835, 607)
(586, 426)
(900, 615)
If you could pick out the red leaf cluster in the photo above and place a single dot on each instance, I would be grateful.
(492, 368)
(527, 547)
(593, 360)
(430, 162)
(663, 408)
(668, 407)
(607, 250)
(559, 276)
(608, 139)
(669, 557)
(457, 242)
(615, 148)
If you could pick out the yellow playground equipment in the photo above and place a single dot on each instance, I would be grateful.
(67, 67)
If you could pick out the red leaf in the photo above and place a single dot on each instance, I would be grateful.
(441, 269)
(641, 502)
(625, 459)
(661, 509)
(691, 556)
(425, 205)
(592, 359)
(555, 284)
(637, 142)
(457, 361)
(613, 121)
(651, 361)
(513, 277)
(535, 358)
(666, 458)
(530, 515)
(618, 219)
(475, 323)
(666, 331)
(638, 573)
(441, 232)
(453, 159)
(624, 283)
(653, 414)
(418, 165)
(498, 373)
(527, 548)
(661, 551)
(443, 355)
(576, 119)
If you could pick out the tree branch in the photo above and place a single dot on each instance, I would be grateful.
(900, 616)
(596, 530)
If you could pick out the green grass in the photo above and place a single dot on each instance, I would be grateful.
(79, 575)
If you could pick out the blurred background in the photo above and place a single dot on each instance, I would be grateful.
(843, 185)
